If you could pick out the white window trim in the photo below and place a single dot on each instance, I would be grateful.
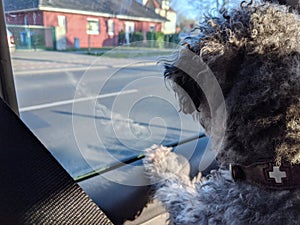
(93, 32)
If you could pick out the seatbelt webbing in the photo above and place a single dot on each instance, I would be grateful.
(34, 188)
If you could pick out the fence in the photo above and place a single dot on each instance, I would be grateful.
(32, 37)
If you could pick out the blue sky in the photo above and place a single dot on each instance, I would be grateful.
(195, 8)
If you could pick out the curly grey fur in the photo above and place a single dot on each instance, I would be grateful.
(215, 199)
(254, 52)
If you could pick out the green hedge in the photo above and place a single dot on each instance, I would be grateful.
(159, 39)
(150, 35)
(173, 38)
(136, 36)
(122, 38)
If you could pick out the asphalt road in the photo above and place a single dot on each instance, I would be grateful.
(92, 112)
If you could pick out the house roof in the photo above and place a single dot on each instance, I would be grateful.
(127, 8)
(153, 4)
(14, 5)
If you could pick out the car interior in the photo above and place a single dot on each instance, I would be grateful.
(37, 189)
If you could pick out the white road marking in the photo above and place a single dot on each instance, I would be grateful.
(71, 101)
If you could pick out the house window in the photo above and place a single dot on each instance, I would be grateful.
(34, 18)
(152, 28)
(111, 27)
(93, 26)
(62, 22)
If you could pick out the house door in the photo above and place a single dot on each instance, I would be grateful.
(60, 33)
(129, 28)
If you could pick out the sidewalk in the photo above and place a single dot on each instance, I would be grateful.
(26, 62)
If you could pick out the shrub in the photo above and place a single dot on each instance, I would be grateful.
(159, 37)
(136, 36)
(173, 38)
(122, 38)
(150, 35)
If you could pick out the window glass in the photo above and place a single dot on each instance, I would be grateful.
(93, 26)
(111, 27)
(152, 28)
(96, 99)
(62, 21)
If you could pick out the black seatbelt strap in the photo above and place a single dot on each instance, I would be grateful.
(34, 188)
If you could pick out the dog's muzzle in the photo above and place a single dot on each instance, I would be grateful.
(268, 175)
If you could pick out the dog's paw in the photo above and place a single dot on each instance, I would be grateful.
(156, 154)
(161, 163)
(155, 159)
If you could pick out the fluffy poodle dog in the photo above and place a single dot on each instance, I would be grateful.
(254, 54)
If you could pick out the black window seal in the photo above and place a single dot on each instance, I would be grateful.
(7, 85)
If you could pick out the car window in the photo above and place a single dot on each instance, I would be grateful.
(87, 78)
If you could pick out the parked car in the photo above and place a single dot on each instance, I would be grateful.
(11, 41)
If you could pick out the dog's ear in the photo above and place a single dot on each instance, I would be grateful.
(186, 88)
(222, 61)
(191, 97)
(203, 82)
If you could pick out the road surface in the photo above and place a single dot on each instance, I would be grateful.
(91, 112)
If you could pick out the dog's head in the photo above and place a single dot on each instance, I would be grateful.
(254, 54)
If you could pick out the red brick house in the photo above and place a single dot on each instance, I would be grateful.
(89, 22)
